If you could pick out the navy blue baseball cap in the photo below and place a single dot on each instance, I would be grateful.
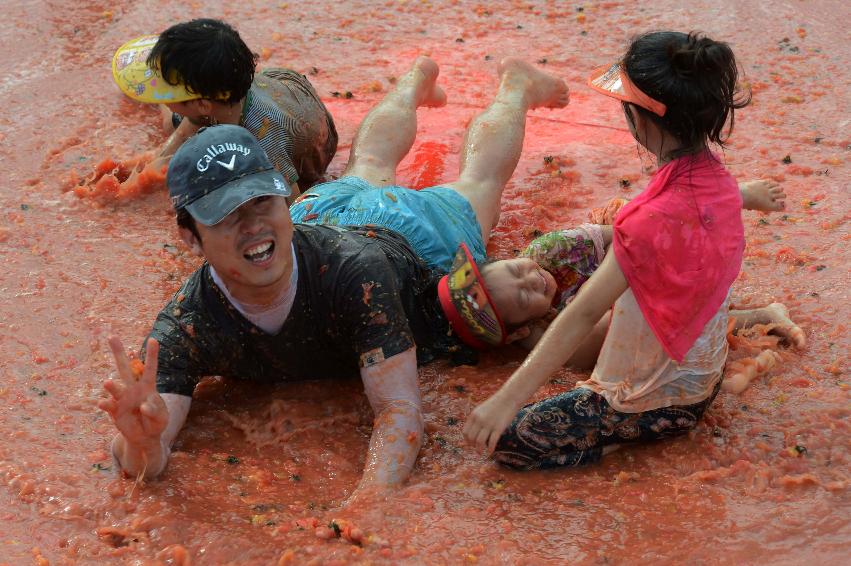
(218, 170)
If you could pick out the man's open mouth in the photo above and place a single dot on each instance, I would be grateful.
(260, 252)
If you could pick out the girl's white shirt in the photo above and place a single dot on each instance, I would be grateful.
(634, 374)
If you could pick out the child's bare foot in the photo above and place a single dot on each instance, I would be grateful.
(542, 90)
(763, 195)
(423, 79)
(742, 372)
(783, 326)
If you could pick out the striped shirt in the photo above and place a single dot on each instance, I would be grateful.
(272, 127)
(283, 111)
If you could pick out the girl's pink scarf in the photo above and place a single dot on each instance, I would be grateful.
(679, 244)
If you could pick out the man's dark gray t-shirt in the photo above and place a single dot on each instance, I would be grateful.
(362, 296)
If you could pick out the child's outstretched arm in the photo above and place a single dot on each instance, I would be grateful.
(764, 195)
(183, 132)
(489, 420)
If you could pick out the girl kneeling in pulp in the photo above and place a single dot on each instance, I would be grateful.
(677, 250)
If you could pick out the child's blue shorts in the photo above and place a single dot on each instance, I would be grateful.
(434, 220)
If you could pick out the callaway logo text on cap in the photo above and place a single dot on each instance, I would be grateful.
(218, 170)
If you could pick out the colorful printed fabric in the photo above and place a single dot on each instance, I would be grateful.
(571, 429)
(571, 256)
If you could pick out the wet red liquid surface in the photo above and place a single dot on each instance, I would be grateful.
(764, 479)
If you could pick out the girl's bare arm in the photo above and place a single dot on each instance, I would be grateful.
(570, 328)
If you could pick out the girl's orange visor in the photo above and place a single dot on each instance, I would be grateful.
(612, 81)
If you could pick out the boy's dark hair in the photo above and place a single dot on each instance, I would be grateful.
(208, 57)
(185, 220)
(695, 77)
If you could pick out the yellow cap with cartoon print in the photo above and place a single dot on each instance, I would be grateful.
(139, 81)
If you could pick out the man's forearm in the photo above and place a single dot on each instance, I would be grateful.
(150, 457)
(391, 387)
(147, 459)
(395, 443)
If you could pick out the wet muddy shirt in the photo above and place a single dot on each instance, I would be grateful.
(293, 126)
(634, 372)
(362, 296)
(284, 112)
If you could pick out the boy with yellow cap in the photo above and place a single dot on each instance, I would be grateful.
(203, 73)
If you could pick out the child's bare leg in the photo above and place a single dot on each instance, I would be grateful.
(775, 314)
(742, 372)
(387, 133)
(495, 137)
(763, 195)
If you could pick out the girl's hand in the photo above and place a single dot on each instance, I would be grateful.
(489, 420)
(571, 327)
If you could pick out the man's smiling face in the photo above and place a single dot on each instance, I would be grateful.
(250, 249)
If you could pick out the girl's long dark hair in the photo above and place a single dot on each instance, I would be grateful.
(697, 80)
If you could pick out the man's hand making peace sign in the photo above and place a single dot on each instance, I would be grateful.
(140, 414)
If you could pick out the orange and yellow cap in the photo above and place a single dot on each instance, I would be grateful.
(467, 304)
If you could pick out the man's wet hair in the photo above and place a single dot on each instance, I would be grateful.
(208, 57)
(185, 220)
(697, 80)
